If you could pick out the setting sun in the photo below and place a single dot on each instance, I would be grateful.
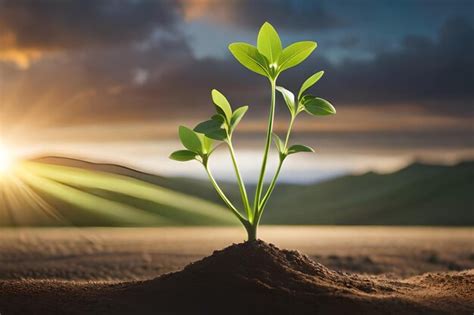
(6, 159)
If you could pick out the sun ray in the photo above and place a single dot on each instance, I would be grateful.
(19, 204)
(114, 210)
(38, 203)
(5, 212)
(134, 188)
(11, 203)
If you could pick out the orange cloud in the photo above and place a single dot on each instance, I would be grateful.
(21, 58)
(10, 52)
(193, 10)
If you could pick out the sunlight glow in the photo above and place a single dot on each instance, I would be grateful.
(6, 160)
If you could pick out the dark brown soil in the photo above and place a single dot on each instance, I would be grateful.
(248, 278)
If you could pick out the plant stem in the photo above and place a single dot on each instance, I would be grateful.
(267, 195)
(224, 197)
(243, 190)
(271, 116)
(251, 232)
(292, 120)
(270, 189)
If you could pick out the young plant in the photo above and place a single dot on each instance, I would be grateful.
(268, 59)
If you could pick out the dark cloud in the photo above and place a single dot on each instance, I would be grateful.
(95, 85)
(163, 79)
(288, 15)
(348, 42)
(435, 75)
(70, 24)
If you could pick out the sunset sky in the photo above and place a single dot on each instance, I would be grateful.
(112, 80)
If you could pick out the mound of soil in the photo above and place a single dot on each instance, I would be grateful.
(252, 278)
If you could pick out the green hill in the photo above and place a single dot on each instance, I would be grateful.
(108, 194)
(416, 195)
(42, 192)
(189, 186)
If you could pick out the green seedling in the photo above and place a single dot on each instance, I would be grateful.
(268, 59)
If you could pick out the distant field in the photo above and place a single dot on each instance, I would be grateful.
(141, 253)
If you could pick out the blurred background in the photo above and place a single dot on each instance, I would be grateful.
(111, 81)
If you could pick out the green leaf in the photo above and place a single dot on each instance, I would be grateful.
(310, 82)
(250, 58)
(190, 139)
(222, 104)
(299, 148)
(208, 126)
(183, 155)
(237, 116)
(317, 106)
(269, 43)
(218, 118)
(207, 144)
(278, 143)
(289, 98)
(212, 129)
(295, 54)
(304, 99)
(219, 135)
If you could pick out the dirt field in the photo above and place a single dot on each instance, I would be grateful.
(138, 254)
(103, 264)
